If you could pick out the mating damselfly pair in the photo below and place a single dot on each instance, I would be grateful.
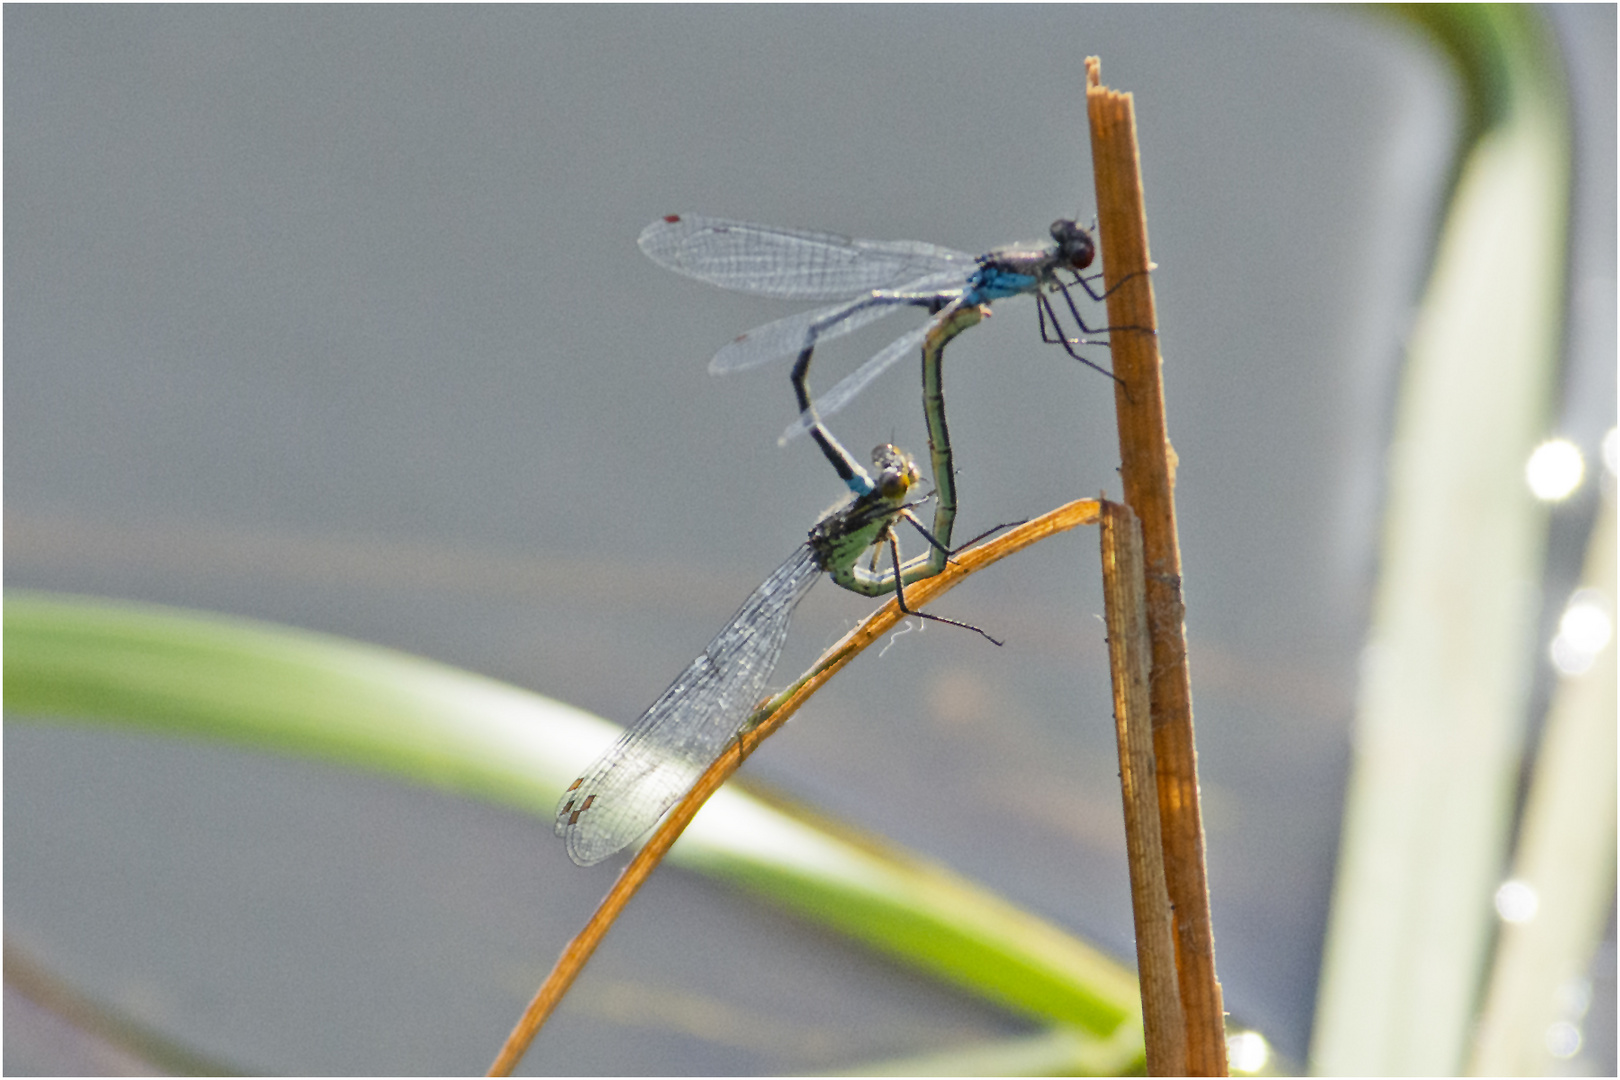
(658, 759)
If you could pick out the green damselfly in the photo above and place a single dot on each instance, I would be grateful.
(658, 759)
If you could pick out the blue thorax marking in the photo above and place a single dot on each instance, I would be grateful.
(992, 282)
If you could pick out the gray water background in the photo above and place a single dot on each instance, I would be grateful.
(334, 316)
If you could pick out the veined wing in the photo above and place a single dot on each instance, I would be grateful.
(657, 761)
(793, 264)
(788, 335)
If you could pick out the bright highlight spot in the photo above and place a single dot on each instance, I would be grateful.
(1583, 632)
(1574, 997)
(1609, 451)
(1247, 1051)
(1554, 471)
(1568, 659)
(1516, 902)
(1563, 1039)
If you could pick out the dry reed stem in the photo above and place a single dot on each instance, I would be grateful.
(1148, 471)
(1130, 662)
(770, 717)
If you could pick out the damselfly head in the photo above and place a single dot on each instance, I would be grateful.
(1076, 249)
(896, 472)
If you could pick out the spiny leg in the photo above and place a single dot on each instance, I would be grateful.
(900, 595)
(991, 531)
(926, 535)
(1085, 281)
(1059, 285)
(933, 541)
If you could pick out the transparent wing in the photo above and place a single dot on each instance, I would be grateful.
(857, 380)
(787, 336)
(655, 762)
(793, 264)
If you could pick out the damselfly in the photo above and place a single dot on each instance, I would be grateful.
(658, 759)
(870, 279)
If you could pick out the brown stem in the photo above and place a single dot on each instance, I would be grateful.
(770, 717)
(1130, 661)
(1147, 466)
